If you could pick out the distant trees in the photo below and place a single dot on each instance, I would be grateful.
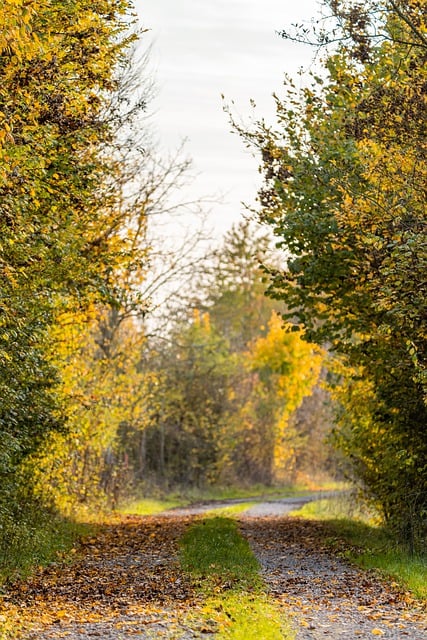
(95, 399)
(226, 381)
(344, 192)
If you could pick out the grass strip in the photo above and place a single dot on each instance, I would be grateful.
(371, 546)
(225, 570)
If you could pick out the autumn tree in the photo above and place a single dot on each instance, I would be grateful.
(286, 369)
(109, 393)
(190, 404)
(344, 191)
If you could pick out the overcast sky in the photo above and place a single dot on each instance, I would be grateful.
(202, 49)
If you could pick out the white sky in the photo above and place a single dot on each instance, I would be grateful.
(202, 49)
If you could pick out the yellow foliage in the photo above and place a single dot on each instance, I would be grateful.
(101, 388)
(288, 367)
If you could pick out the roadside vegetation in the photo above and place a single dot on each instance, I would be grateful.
(112, 396)
(36, 538)
(225, 570)
(345, 169)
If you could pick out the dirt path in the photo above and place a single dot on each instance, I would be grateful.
(327, 597)
(126, 584)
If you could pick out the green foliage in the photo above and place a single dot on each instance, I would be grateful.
(32, 536)
(58, 70)
(389, 460)
(344, 192)
(232, 288)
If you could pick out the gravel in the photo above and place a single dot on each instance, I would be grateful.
(327, 597)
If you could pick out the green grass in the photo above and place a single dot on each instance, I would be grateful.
(246, 616)
(370, 545)
(225, 570)
(213, 550)
(150, 506)
(35, 539)
(254, 491)
(407, 570)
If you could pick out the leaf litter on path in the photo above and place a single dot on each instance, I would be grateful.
(126, 583)
(328, 597)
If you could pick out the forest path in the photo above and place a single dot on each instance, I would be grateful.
(328, 597)
(126, 584)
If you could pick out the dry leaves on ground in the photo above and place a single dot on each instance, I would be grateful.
(329, 597)
(125, 582)
(128, 569)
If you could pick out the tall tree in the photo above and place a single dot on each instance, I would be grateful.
(62, 222)
(233, 284)
(345, 176)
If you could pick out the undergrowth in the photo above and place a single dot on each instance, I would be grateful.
(33, 536)
(225, 570)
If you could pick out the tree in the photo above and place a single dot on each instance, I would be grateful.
(233, 285)
(57, 68)
(345, 177)
(287, 368)
(190, 404)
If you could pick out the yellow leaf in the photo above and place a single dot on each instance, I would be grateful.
(62, 613)
(377, 632)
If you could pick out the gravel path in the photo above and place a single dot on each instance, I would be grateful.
(272, 507)
(327, 597)
(126, 584)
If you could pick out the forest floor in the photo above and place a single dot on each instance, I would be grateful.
(125, 583)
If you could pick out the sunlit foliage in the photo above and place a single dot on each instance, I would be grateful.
(345, 176)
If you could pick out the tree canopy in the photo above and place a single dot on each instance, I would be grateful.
(344, 191)
(67, 234)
